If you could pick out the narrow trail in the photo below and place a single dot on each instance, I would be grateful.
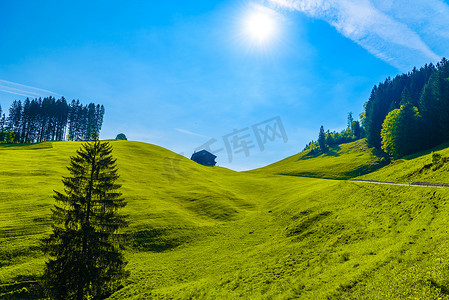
(416, 184)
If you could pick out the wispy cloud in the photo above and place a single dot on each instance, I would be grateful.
(402, 33)
(24, 90)
(191, 133)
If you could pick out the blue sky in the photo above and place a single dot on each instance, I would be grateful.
(180, 73)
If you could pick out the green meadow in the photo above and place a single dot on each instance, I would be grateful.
(340, 162)
(418, 167)
(286, 231)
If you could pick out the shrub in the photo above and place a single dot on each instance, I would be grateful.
(121, 136)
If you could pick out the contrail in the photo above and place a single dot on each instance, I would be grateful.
(15, 90)
(15, 93)
(23, 90)
(398, 38)
(190, 132)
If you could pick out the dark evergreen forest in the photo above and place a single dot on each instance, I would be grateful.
(410, 112)
(50, 119)
(403, 115)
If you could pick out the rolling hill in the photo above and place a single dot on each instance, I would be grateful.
(340, 162)
(418, 167)
(211, 233)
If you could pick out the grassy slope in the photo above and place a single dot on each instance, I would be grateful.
(340, 162)
(164, 190)
(416, 167)
(202, 232)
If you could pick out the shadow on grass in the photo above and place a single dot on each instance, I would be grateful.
(366, 169)
(427, 151)
(442, 288)
(333, 151)
(155, 240)
(7, 256)
(34, 146)
(23, 287)
(303, 222)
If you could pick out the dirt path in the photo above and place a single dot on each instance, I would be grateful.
(418, 184)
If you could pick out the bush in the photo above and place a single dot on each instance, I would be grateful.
(436, 158)
(438, 161)
(121, 136)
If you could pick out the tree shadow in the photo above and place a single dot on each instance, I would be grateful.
(427, 151)
(333, 151)
(22, 287)
(27, 146)
(154, 240)
(441, 287)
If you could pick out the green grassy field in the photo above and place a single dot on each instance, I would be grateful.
(417, 167)
(340, 162)
(211, 233)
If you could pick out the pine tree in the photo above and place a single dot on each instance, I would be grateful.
(356, 129)
(322, 140)
(350, 120)
(3, 129)
(14, 118)
(86, 261)
(91, 128)
(25, 120)
(62, 111)
(2, 125)
(405, 97)
(99, 118)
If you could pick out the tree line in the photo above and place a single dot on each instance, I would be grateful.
(50, 119)
(353, 131)
(403, 115)
(409, 113)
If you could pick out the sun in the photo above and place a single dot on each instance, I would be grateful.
(260, 26)
(259, 30)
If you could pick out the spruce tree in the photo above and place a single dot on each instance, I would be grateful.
(356, 129)
(86, 261)
(322, 140)
(2, 125)
(14, 118)
(3, 129)
(350, 120)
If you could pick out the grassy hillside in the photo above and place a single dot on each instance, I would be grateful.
(211, 233)
(340, 162)
(416, 167)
